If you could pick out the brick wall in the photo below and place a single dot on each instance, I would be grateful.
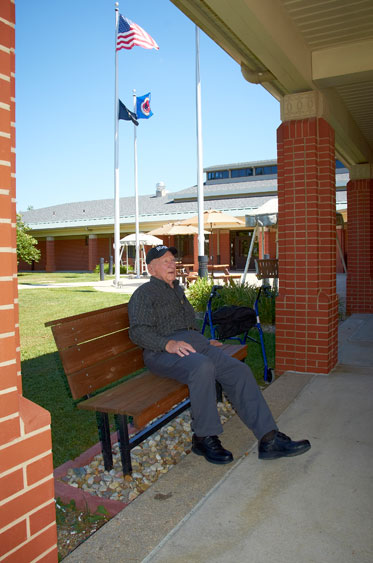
(306, 308)
(37, 266)
(105, 249)
(27, 514)
(93, 258)
(69, 254)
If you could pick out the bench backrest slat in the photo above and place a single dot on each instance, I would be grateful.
(95, 377)
(82, 356)
(80, 328)
(95, 349)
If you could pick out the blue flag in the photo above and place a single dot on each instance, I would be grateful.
(126, 114)
(143, 110)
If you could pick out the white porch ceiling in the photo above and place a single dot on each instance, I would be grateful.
(292, 46)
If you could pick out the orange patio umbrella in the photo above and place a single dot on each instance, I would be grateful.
(173, 229)
(213, 219)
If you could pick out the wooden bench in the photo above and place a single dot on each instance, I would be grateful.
(96, 351)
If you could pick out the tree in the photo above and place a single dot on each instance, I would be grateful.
(26, 250)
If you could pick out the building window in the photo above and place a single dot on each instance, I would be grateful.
(241, 172)
(265, 170)
(184, 245)
(218, 175)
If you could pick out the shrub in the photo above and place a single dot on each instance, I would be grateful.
(198, 294)
(123, 269)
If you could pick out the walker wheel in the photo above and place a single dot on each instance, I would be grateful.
(270, 376)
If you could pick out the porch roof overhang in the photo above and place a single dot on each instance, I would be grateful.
(295, 46)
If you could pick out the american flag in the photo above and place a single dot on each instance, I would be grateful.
(131, 34)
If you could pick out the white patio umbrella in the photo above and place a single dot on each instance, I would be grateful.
(266, 214)
(263, 216)
(144, 240)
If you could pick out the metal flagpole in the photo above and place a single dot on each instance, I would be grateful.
(116, 160)
(202, 259)
(137, 259)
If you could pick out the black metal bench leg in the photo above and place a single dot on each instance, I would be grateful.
(104, 434)
(219, 392)
(121, 422)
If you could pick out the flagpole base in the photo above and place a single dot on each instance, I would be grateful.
(202, 266)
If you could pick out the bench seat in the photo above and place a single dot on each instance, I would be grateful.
(147, 396)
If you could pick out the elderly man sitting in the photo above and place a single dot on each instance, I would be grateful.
(162, 322)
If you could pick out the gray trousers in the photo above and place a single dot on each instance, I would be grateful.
(200, 371)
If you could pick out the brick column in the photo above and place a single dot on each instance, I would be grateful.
(306, 308)
(195, 253)
(50, 260)
(27, 512)
(261, 246)
(93, 259)
(269, 242)
(224, 247)
(359, 289)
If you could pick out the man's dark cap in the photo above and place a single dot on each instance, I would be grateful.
(158, 251)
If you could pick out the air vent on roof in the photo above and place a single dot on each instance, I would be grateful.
(160, 189)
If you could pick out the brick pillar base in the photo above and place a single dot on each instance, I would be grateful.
(306, 308)
(359, 289)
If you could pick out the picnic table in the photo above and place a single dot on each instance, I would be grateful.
(222, 274)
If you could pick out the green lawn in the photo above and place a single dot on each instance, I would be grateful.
(44, 382)
(30, 278)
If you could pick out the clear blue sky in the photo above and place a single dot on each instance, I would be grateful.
(65, 102)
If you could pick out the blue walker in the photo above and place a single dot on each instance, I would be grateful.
(265, 269)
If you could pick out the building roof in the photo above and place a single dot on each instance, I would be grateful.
(237, 198)
(152, 208)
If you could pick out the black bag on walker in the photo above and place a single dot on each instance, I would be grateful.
(233, 320)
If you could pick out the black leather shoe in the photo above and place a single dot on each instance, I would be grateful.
(282, 446)
(211, 448)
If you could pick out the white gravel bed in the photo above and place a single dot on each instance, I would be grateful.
(150, 459)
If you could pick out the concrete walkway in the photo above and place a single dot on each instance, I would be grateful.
(127, 284)
(313, 508)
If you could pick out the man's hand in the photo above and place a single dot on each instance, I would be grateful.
(214, 342)
(179, 347)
